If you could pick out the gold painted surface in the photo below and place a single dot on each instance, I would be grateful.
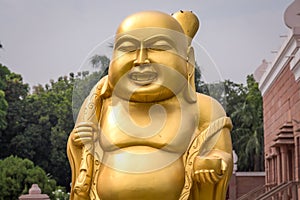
(143, 132)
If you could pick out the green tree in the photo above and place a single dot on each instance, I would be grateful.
(249, 131)
(48, 122)
(62, 110)
(34, 119)
(61, 194)
(3, 103)
(100, 61)
(15, 93)
(3, 110)
(39, 123)
(17, 175)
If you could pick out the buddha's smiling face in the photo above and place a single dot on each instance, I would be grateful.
(149, 58)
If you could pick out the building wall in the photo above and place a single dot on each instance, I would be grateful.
(242, 183)
(281, 104)
(280, 87)
(247, 183)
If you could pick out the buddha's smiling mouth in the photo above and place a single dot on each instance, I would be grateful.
(143, 77)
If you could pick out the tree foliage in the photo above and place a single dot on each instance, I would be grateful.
(3, 110)
(15, 91)
(3, 103)
(39, 123)
(100, 61)
(17, 175)
(248, 133)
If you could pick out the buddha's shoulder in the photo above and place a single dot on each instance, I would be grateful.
(209, 110)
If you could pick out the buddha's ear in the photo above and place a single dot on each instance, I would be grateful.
(190, 92)
(191, 62)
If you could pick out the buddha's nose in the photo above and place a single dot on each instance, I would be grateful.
(141, 57)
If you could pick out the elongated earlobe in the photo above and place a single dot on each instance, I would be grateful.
(190, 92)
(191, 63)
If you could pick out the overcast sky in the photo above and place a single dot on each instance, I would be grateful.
(45, 39)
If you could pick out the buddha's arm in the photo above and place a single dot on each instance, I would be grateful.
(81, 142)
(212, 167)
(216, 160)
(80, 158)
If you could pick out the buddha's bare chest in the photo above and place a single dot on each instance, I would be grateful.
(166, 127)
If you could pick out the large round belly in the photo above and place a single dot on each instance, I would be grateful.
(163, 183)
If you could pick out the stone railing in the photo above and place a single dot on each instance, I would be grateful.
(253, 193)
(285, 191)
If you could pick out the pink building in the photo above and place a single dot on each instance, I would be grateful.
(280, 87)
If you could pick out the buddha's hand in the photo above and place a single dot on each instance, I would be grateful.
(208, 170)
(84, 133)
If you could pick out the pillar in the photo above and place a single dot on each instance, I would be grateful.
(278, 166)
(284, 164)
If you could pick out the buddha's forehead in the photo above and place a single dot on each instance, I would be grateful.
(152, 34)
(149, 19)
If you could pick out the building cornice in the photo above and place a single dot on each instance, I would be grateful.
(288, 54)
(295, 62)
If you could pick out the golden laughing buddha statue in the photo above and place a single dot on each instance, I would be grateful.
(144, 132)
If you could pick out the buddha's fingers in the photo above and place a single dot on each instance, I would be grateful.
(215, 177)
(208, 178)
(83, 129)
(87, 124)
(82, 138)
